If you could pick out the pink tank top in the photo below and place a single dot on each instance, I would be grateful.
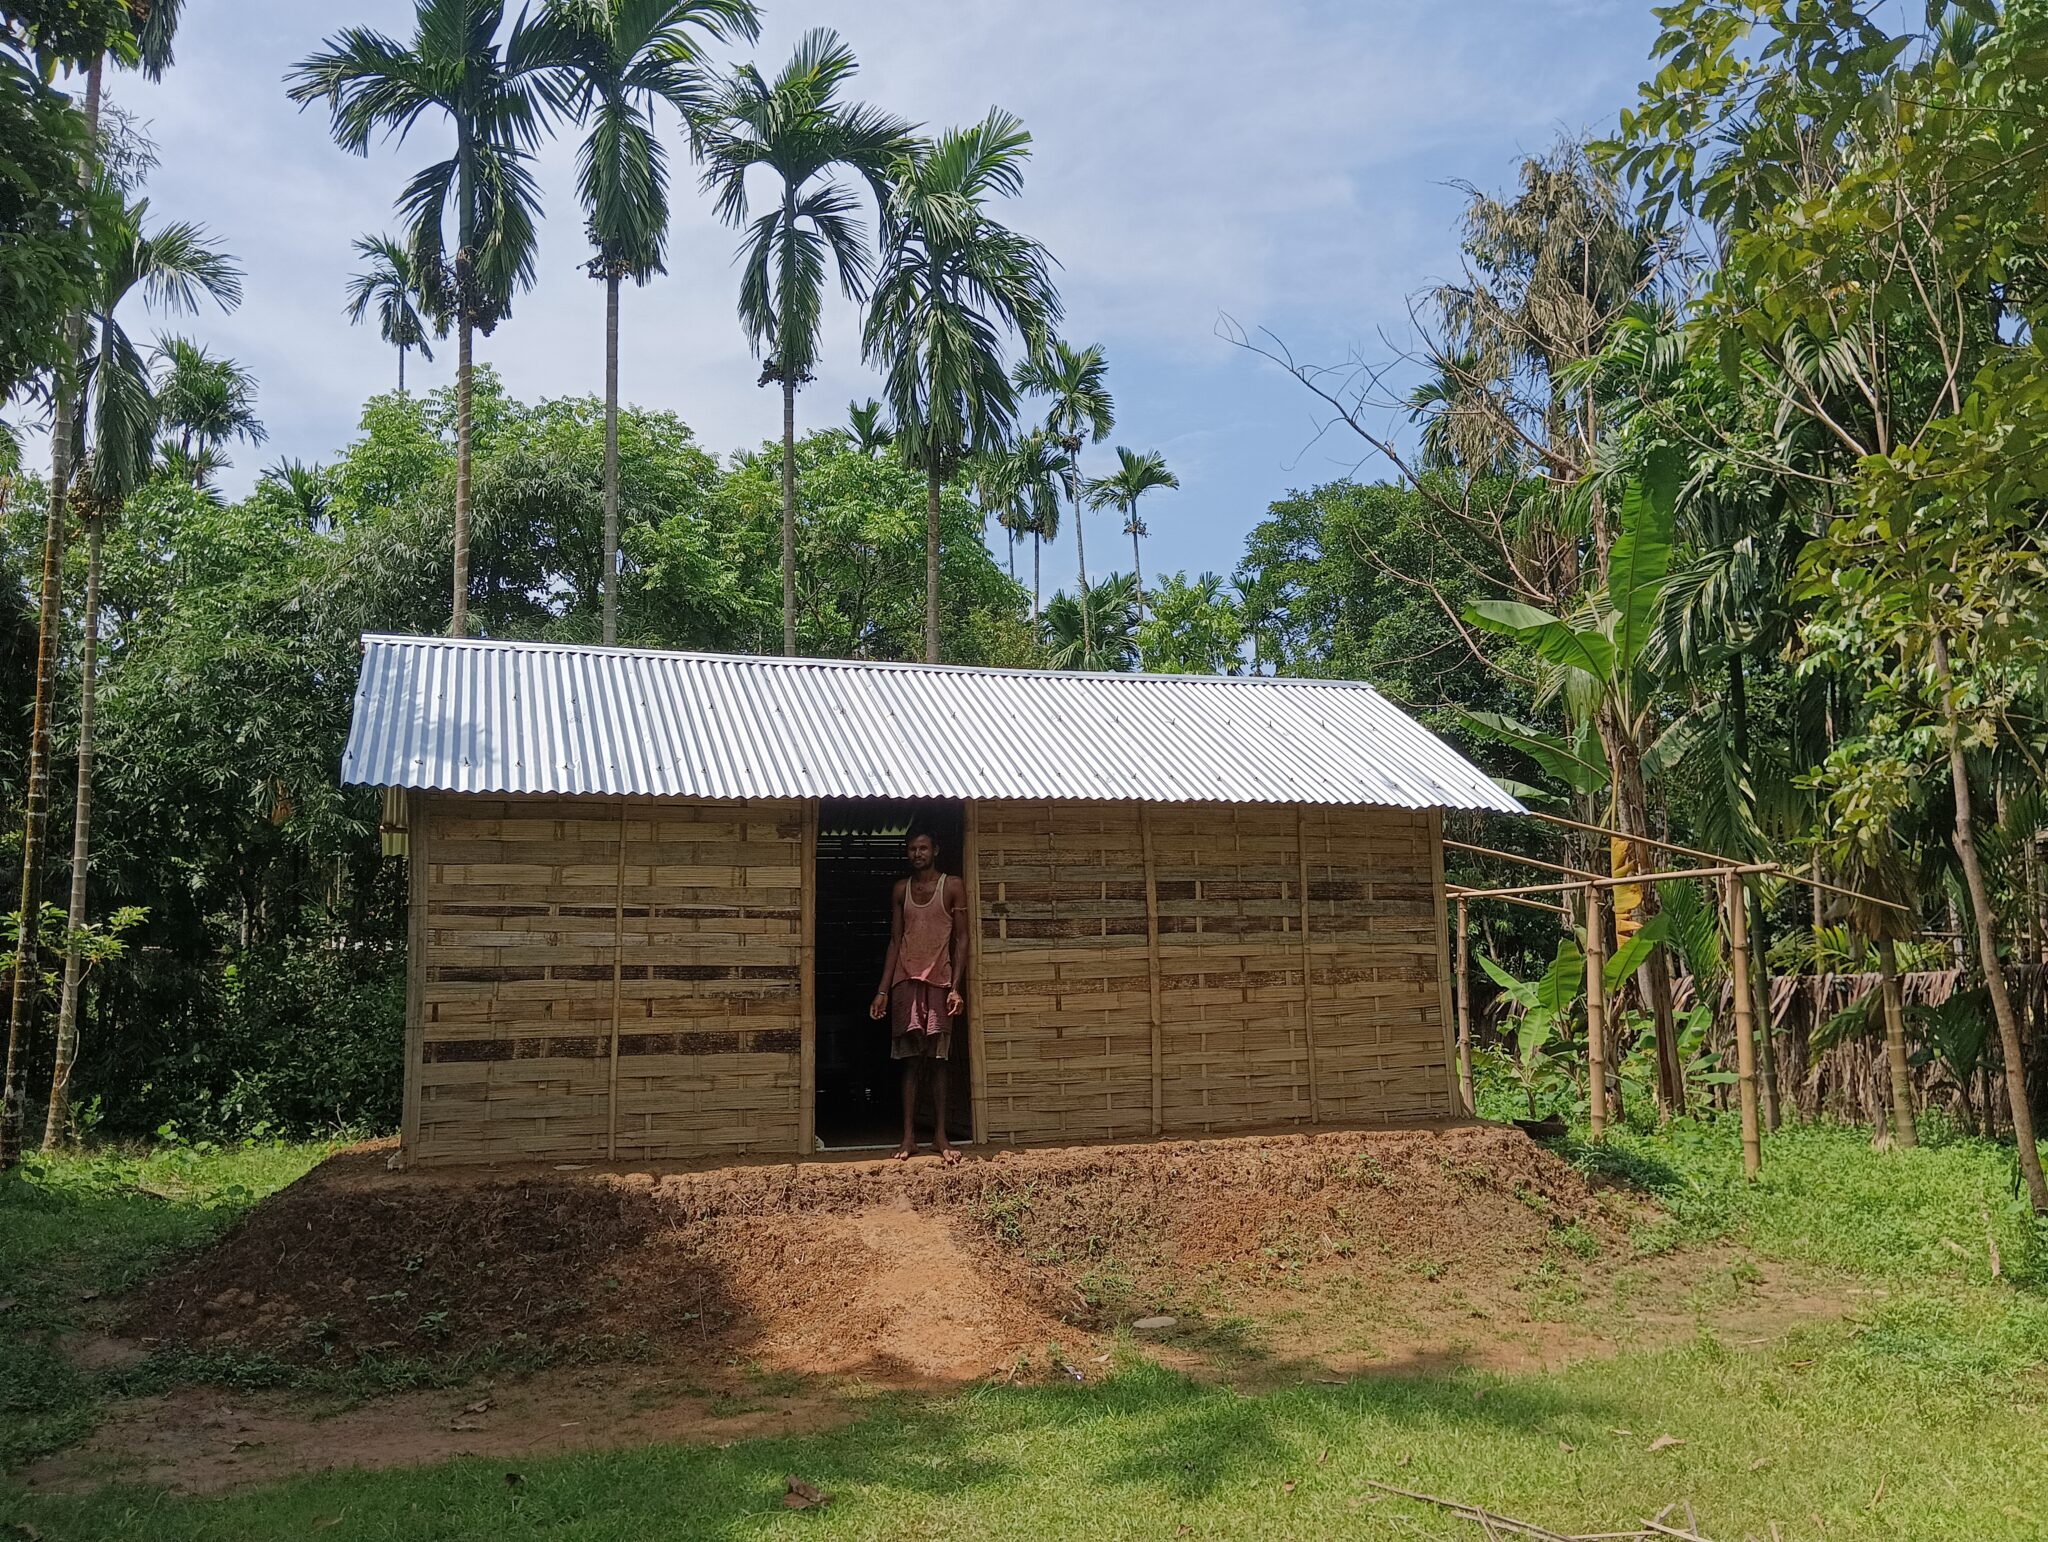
(927, 951)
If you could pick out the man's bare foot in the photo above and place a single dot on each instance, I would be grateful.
(950, 1155)
(902, 1153)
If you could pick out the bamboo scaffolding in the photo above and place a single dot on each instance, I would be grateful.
(1515, 856)
(1465, 1089)
(1623, 882)
(1735, 902)
(1454, 892)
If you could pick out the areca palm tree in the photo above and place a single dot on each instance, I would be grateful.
(1019, 485)
(391, 286)
(204, 401)
(628, 56)
(1135, 476)
(173, 268)
(495, 96)
(151, 30)
(869, 430)
(953, 281)
(1078, 411)
(1100, 633)
(796, 127)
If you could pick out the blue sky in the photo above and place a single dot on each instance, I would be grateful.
(1290, 165)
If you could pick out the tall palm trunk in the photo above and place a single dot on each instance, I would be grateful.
(931, 566)
(1895, 1045)
(59, 1114)
(1965, 834)
(25, 996)
(458, 615)
(401, 369)
(1081, 556)
(1035, 544)
(465, 264)
(789, 519)
(608, 580)
(1137, 568)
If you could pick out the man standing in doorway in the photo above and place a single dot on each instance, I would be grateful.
(921, 984)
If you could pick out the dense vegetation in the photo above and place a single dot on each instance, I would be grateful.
(1714, 515)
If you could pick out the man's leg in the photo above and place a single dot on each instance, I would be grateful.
(910, 1064)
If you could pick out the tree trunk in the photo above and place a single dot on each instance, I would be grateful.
(1081, 556)
(59, 1114)
(1034, 580)
(401, 369)
(1596, 1015)
(1987, 942)
(608, 581)
(1137, 568)
(1766, 1032)
(789, 523)
(931, 567)
(26, 993)
(458, 622)
(1895, 1045)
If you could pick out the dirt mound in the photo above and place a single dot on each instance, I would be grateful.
(909, 1271)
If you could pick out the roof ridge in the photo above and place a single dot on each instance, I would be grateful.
(769, 660)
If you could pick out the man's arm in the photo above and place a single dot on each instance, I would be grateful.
(879, 1007)
(962, 932)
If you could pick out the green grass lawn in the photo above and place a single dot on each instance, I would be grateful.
(1921, 1412)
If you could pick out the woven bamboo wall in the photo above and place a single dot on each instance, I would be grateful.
(1202, 968)
(593, 978)
(1379, 982)
(1063, 979)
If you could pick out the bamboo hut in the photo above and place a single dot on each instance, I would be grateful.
(649, 897)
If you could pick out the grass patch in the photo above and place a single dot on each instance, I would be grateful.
(1917, 1415)
(76, 1230)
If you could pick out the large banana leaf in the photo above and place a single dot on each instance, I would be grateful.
(1583, 648)
(1565, 761)
(1641, 557)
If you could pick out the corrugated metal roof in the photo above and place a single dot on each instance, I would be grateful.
(510, 717)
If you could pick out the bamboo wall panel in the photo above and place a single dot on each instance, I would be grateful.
(1378, 965)
(710, 1010)
(1234, 1035)
(1068, 967)
(1065, 1009)
(597, 977)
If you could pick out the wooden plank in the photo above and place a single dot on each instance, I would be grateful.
(1308, 996)
(416, 960)
(807, 988)
(977, 1006)
(1443, 943)
(611, 1130)
(1158, 1018)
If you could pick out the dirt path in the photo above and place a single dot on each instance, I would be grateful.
(717, 1305)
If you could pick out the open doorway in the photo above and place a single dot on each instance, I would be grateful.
(860, 857)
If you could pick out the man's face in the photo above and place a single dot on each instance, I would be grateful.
(921, 852)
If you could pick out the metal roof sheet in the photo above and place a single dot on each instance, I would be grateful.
(472, 715)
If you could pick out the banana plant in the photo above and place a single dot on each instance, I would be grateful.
(1597, 656)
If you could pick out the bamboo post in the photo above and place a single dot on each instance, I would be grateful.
(807, 983)
(1308, 995)
(1465, 1013)
(1152, 983)
(1596, 1014)
(1734, 903)
(611, 1096)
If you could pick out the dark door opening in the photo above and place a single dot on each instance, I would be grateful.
(860, 857)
